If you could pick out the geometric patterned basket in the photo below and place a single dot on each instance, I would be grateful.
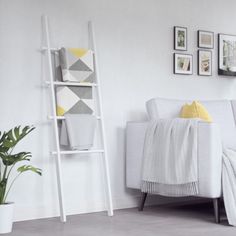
(74, 100)
(77, 65)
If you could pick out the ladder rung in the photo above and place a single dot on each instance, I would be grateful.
(63, 118)
(60, 83)
(69, 152)
(51, 49)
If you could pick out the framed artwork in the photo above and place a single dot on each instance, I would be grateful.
(205, 39)
(204, 62)
(226, 55)
(183, 64)
(180, 38)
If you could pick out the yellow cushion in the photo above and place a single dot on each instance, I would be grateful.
(195, 110)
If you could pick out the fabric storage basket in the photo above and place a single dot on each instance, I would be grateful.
(76, 103)
(74, 100)
(77, 64)
(78, 131)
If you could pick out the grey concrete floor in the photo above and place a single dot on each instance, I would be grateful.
(191, 220)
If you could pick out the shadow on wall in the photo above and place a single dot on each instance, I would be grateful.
(120, 163)
(137, 116)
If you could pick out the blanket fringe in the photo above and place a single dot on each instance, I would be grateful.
(179, 190)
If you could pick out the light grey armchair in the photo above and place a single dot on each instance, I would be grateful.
(210, 138)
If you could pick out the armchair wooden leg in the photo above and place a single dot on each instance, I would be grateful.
(142, 201)
(216, 204)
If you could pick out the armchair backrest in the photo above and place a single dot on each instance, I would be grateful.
(222, 112)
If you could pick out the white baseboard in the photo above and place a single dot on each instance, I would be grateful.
(23, 213)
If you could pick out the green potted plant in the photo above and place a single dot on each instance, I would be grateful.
(8, 160)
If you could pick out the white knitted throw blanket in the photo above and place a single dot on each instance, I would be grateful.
(170, 158)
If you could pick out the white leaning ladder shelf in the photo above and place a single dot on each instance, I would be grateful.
(48, 50)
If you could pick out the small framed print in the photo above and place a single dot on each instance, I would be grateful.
(183, 64)
(180, 38)
(227, 55)
(204, 62)
(205, 39)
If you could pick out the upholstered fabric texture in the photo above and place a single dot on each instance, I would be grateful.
(223, 112)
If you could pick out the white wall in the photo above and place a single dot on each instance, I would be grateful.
(135, 46)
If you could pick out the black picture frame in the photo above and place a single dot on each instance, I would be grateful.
(182, 71)
(201, 73)
(201, 44)
(176, 46)
(226, 67)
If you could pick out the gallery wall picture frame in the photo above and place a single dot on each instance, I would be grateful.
(183, 64)
(205, 39)
(180, 38)
(227, 55)
(204, 62)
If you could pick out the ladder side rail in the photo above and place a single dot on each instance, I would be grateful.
(100, 110)
(55, 124)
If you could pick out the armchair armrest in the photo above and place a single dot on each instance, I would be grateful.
(209, 157)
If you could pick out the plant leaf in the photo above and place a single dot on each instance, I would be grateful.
(25, 168)
(2, 147)
(9, 160)
(17, 132)
(13, 136)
